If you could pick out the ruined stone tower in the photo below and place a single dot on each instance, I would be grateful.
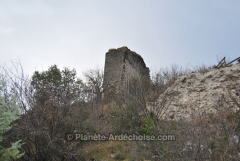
(121, 65)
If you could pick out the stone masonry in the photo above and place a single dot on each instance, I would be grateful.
(121, 65)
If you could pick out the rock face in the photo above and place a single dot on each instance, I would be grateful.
(196, 94)
(121, 65)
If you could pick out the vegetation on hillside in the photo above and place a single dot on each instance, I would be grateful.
(55, 105)
(9, 112)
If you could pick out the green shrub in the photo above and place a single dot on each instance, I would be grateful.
(150, 126)
(9, 112)
(120, 156)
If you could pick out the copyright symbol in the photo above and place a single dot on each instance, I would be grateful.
(69, 137)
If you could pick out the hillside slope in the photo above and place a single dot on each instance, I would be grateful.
(197, 94)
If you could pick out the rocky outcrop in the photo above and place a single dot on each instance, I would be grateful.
(196, 94)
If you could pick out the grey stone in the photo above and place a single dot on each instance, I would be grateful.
(113, 156)
(121, 65)
(192, 95)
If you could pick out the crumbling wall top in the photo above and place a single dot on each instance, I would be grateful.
(124, 49)
(121, 65)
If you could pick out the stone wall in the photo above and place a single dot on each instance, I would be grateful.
(121, 65)
(197, 94)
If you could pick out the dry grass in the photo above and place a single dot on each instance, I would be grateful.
(214, 132)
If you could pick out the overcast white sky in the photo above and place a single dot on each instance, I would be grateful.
(78, 33)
